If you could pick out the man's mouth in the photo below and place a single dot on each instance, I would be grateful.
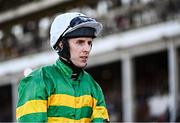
(84, 57)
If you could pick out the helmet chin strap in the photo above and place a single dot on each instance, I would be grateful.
(64, 50)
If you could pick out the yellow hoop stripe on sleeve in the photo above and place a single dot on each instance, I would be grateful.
(100, 112)
(33, 106)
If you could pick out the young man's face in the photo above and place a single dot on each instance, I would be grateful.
(79, 50)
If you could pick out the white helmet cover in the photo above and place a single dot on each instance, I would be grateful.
(62, 22)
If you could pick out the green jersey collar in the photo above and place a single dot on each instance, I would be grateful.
(66, 70)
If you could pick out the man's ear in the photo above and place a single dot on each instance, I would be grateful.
(60, 45)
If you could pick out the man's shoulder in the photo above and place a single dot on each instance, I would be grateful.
(39, 73)
(41, 70)
(89, 78)
(93, 83)
(87, 75)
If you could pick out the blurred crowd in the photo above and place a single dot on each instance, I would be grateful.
(23, 40)
(32, 36)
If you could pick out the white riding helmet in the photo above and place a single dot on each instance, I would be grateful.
(68, 22)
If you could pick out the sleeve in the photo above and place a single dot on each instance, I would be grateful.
(100, 112)
(32, 99)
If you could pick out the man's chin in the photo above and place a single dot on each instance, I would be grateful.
(80, 64)
(83, 65)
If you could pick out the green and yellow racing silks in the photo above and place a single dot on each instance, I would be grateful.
(50, 95)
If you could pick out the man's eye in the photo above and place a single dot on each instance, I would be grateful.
(90, 43)
(80, 42)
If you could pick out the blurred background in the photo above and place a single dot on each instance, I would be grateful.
(135, 59)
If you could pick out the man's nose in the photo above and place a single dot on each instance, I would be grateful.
(87, 47)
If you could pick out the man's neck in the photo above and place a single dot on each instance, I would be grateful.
(76, 70)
